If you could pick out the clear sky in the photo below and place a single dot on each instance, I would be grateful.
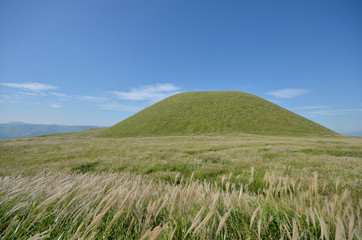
(91, 62)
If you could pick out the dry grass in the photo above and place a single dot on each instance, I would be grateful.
(89, 206)
(76, 186)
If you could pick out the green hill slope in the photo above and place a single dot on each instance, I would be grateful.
(215, 112)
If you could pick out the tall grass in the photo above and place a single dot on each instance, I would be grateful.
(119, 206)
(235, 186)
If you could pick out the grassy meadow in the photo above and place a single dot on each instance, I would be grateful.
(231, 186)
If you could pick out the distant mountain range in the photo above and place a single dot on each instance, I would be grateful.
(20, 129)
(356, 134)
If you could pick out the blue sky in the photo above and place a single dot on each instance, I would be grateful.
(97, 62)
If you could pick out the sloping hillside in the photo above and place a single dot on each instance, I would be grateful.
(215, 112)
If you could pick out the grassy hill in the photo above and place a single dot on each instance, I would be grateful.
(215, 112)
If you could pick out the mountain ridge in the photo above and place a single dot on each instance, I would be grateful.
(19, 129)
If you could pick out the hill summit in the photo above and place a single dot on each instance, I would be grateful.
(215, 112)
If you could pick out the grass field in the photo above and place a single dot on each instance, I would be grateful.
(235, 186)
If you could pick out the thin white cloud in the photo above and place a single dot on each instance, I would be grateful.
(82, 98)
(150, 92)
(92, 98)
(55, 106)
(34, 94)
(288, 92)
(335, 112)
(33, 86)
(119, 107)
(310, 107)
(59, 95)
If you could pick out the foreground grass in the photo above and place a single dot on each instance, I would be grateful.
(196, 187)
(113, 206)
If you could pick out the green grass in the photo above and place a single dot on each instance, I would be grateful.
(207, 156)
(45, 182)
(215, 112)
(86, 167)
